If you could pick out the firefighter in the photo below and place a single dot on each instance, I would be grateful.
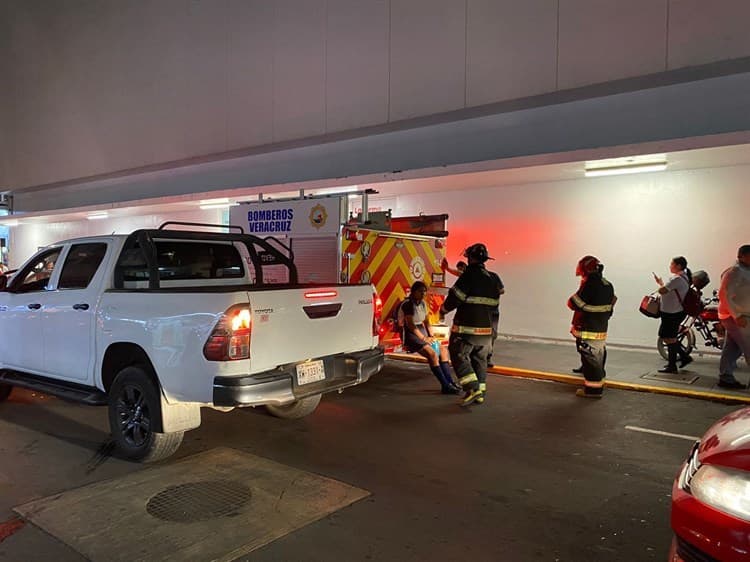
(474, 297)
(592, 306)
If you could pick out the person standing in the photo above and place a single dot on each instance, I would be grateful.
(416, 337)
(592, 306)
(474, 296)
(458, 271)
(673, 312)
(734, 313)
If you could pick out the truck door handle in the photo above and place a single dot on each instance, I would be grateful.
(34, 306)
(81, 306)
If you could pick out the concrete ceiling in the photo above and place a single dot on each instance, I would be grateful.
(530, 173)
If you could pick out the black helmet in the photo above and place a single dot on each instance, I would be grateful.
(587, 265)
(700, 279)
(477, 252)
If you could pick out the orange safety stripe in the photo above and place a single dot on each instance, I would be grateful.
(594, 384)
(471, 330)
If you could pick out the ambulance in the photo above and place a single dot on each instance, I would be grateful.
(330, 243)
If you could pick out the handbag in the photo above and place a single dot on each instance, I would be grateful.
(651, 305)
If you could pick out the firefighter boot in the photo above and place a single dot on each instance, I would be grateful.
(483, 390)
(589, 393)
(471, 396)
(470, 384)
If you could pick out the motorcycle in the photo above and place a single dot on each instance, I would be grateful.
(706, 324)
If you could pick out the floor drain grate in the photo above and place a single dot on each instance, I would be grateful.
(670, 377)
(199, 501)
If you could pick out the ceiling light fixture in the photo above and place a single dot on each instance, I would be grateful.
(219, 205)
(97, 215)
(218, 201)
(628, 165)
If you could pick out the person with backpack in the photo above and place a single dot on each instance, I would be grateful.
(672, 309)
(416, 337)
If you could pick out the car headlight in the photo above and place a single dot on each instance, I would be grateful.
(726, 489)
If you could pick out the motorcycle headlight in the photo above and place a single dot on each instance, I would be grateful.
(725, 489)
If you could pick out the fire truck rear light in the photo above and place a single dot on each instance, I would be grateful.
(377, 313)
(230, 339)
(321, 294)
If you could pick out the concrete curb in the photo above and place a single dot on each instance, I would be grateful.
(571, 379)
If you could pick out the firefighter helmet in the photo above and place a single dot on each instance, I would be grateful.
(477, 252)
(587, 265)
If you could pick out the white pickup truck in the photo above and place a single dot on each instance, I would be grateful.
(162, 322)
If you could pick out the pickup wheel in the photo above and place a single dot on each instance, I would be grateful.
(5, 391)
(134, 404)
(297, 409)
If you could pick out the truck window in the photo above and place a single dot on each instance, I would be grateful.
(36, 275)
(198, 260)
(81, 265)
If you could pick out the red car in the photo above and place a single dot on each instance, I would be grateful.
(711, 495)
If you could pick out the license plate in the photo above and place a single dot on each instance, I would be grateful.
(312, 371)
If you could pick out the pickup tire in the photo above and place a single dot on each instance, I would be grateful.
(134, 403)
(297, 409)
(5, 391)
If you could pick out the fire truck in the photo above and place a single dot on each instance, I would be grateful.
(330, 244)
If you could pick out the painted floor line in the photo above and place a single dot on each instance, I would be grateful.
(7, 528)
(664, 433)
(620, 385)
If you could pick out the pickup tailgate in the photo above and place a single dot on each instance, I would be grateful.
(293, 325)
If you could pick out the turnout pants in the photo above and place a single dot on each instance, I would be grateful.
(593, 358)
(469, 359)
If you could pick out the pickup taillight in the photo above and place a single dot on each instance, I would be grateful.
(377, 305)
(230, 339)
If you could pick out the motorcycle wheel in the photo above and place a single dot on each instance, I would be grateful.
(685, 338)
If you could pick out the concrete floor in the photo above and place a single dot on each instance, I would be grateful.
(533, 474)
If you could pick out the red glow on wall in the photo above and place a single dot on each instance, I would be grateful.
(508, 239)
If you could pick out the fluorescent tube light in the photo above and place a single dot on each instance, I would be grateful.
(97, 215)
(632, 169)
(626, 165)
(218, 201)
(219, 205)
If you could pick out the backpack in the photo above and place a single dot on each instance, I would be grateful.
(692, 303)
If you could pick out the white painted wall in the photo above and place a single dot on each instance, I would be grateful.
(635, 224)
(101, 86)
(28, 237)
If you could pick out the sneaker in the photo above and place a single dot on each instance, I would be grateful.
(668, 369)
(734, 384)
(450, 390)
(583, 394)
(686, 361)
(471, 397)
(578, 370)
